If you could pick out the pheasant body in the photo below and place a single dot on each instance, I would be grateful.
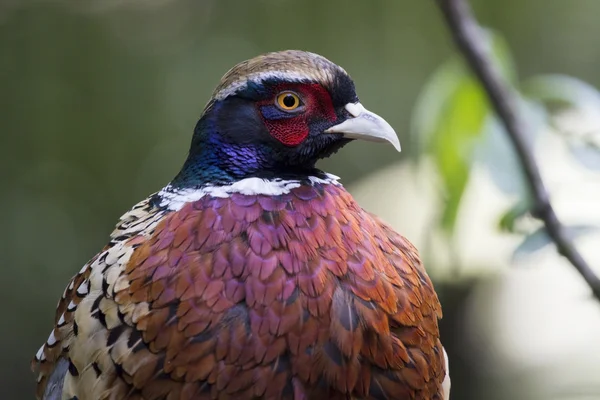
(234, 284)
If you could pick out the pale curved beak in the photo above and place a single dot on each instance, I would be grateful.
(365, 125)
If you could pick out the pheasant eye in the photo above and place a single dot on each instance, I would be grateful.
(288, 101)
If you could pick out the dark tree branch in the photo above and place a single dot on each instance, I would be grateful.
(470, 40)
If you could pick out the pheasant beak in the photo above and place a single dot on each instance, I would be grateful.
(365, 125)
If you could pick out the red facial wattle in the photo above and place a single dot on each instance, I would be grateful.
(292, 128)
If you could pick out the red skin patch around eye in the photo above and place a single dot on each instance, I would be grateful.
(318, 105)
(290, 132)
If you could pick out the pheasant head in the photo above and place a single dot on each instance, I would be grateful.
(275, 116)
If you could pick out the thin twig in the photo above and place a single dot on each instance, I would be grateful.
(470, 40)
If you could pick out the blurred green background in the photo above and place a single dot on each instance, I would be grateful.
(98, 99)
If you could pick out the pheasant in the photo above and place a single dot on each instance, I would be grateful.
(252, 274)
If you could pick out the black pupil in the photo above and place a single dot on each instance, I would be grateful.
(289, 101)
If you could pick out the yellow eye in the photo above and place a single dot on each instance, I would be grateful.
(288, 101)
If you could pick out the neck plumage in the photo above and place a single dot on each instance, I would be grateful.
(225, 165)
(216, 168)
(216, 159)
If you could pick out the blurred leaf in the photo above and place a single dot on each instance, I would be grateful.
(432, 102)
(497, 153)
(508, 219)
(448, 121)
(459, 126)
(540, 239)
(587, 153)
(577, 121)
(532, 243)
(562, 91)
(441, 87)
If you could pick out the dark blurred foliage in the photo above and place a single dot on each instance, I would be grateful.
(98, 100)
